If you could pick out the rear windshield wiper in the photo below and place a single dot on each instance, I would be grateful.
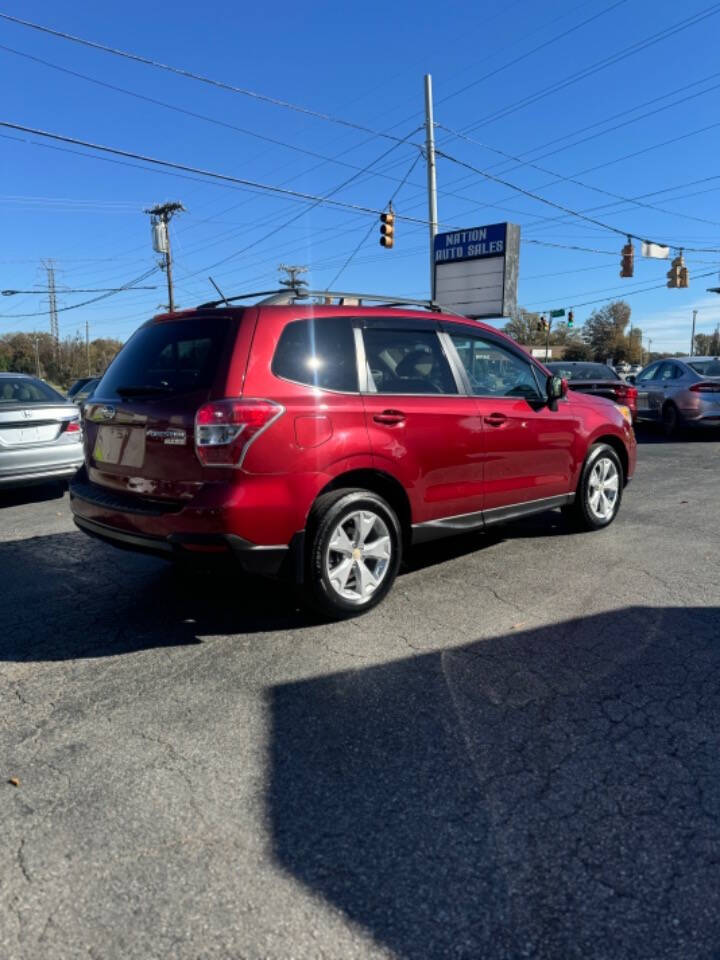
(143, 390)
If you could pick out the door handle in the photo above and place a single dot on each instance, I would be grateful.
(496, 419)
(390, 418)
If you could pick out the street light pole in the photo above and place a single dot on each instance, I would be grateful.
(431, 177)
(692, 338)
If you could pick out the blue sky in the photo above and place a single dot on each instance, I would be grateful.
(363, 62)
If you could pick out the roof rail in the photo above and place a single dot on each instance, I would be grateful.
(288, 296)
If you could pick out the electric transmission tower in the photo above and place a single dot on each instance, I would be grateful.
(52, 304)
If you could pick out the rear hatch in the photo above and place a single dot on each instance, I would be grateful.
(139, 424)
(611, 389)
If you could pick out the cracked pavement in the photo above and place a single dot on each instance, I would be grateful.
(516, 755)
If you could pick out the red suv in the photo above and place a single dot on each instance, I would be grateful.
(320, 441)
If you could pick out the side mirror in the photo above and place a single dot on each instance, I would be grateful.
(557, 387)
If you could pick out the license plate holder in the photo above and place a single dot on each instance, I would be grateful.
(124, 446)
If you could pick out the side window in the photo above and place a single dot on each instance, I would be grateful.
(669, 371)
(649, 374)
(319, 352)
(494, 371)
(406, 361)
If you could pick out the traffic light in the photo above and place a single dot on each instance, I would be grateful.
(628, 256)
(387, 228)
(543, 324)
(678, 275)
(571, 319)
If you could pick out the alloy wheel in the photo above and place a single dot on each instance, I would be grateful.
(358, 556)
(603, 488)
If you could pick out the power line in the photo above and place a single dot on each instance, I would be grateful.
(188, 74)
(611, 60)
(127, 286)
(557, 206)
(580, 183)
(537, 49)
(620, 293)
(372, 227)
(242, 181)
(190, 113)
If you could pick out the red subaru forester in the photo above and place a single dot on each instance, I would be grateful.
(319, 442)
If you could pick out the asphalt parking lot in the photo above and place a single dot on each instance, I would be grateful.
(516, 755)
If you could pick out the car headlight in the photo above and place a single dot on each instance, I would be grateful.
(626, 412)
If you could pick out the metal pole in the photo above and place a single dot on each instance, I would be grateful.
(431, 176)
(692, 338)
(87, 346)
(547, 340)
(37, 357)
(168, 271)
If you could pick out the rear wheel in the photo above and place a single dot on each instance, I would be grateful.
(353, 554)
(599, 492)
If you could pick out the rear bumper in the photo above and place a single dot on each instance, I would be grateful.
(39, 475)
(252, 557)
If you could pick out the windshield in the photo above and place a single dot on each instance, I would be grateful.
(27, 390)
(170, 356)
(583, 371)
(706, 368)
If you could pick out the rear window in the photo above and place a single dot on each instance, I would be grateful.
(22, 390)
(583, 371)
(174, 356)
(706, 368)
(319, 352)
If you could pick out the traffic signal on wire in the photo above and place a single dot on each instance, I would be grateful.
(678, 273)
(387, 228)
(571, 319)
(628, 256)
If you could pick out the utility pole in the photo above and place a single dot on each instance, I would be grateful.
(87, 346)
(52, 303)
(431, 176)
(37, 357)
(160, 217)
(692, 338)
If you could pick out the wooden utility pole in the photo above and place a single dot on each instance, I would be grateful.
(160, 217)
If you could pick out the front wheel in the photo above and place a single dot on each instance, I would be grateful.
(599, 492)
(353, 553)
(670, 419)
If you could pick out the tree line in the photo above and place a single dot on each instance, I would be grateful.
(60, 363)
(606, 335)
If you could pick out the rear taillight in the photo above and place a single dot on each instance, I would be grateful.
(72, 426)
(705, 388)
(224, 429)
(627, 394)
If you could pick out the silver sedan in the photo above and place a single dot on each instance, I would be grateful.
(40, 432)
(682, 390)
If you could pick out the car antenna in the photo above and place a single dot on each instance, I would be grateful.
(222, 295)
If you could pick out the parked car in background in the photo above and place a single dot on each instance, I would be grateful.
(597, 379)
(681, 391)
(321, 441)
(77, 386)
(86, 391)
(635, 369)
(40, 436)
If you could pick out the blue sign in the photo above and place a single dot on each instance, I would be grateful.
(471, 244)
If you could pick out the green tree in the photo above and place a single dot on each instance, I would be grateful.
(604, 331)
(523, 328)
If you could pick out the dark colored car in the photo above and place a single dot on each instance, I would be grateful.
(597, 379)
(321, 441)
(40, 436)
(78, 385)
(683, 391)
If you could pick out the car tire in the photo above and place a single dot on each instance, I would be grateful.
(353, 553)
(598, 498)
(670, 420)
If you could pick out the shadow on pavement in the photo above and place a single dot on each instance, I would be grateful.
(65, 596)
(549, 793)
(34, 493)
(72, 597)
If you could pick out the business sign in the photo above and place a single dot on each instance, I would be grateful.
(476, 270)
